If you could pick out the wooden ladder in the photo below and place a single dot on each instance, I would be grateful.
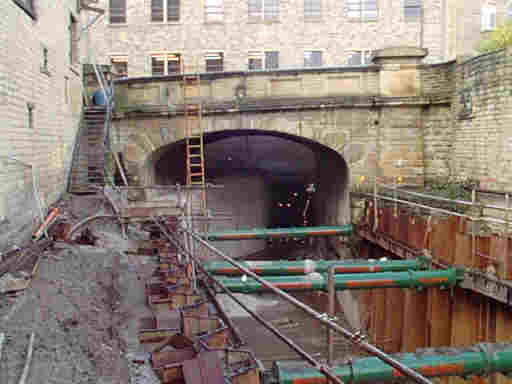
(194, 133)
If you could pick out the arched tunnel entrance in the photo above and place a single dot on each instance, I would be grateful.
(270, 179)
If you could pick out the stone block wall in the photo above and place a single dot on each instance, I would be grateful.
(482, 120)
(46, 142)
(438, 78)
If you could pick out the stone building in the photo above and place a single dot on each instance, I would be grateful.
(144, 37)
(40, 105)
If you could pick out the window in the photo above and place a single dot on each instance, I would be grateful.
(363, 57)
(271, 60)
(165, 63)
(263, 60)
(117, 11)
(312, 58)
(508, 11)
(214, 62)
(66, 89)
(488, 16)
(412, 9)
(214, 10)
(120, 64)
(27, 6)
(44, 60)
(30, 114)
(73, 41)
(361, 9)
(165, 11)
(264, 9)
(255, 60)
(312, 9)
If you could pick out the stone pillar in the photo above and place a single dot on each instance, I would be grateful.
(400, 73)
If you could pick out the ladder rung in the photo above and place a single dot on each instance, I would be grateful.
(196, 174)
(194, 155)
(195, 146)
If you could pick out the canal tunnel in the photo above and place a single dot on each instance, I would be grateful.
(269, 179)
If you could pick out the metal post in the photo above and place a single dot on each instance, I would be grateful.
(375, 210)
(330, 311)
(473, 225)
(354, 338)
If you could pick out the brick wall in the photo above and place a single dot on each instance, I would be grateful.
(334, 34)
(438, 79)
(56, 100)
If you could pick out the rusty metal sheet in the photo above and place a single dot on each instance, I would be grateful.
(173, 374)
(205, 369)
(182, 299)
(499, 252)
(483, 252)
(403, 227)
(194, 325)
(198, 309)
(219, 339)
(251, 376)
(394, 225)
(155, 336)
(160, 359)
(444, 230)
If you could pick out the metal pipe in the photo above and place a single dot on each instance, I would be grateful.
(479, 360)
(318, 282)
(303, 267)
(319, 367)
(354, 338)
(264, 233)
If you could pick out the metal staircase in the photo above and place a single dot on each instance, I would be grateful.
(88, 168)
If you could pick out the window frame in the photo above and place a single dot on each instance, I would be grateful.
(166, 60)
(313, 16)
(211, 52)
(110, 22)
(321, 51)
(208, 15)
(165, 13)
(418, 6)
(119, 59)
(361, 9)
(486, 12)
(45, 67)
(29, 10)
(262, 15)
(74, 48)
(365, 55)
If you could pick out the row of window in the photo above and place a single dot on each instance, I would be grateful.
(259, 10)
(170, 63)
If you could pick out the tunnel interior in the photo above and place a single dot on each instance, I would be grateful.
(270, 180)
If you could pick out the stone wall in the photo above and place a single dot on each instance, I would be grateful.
(54, 97)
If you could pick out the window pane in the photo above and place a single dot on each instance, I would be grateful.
(214, 62)
(255, 64)
(369, 9)
(255, 8)
(354, 58)
(313, 58)
(157, 10)
(120, 65)
(412, 8)
(214, 10)
(353, 9)
(271, 9)
(271, 60)
(118, 11)
(173, 63)
(173, 10)
(312, 8)
(158, 65)
(509, 11)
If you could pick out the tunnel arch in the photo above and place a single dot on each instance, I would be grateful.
(279, 158)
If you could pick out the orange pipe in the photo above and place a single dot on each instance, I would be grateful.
(53, 214)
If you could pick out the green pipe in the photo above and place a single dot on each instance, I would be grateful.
(317, 281)
(303, 267)
(479, 360)
(265, 233)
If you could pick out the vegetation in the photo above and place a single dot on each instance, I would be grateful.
(500, 38)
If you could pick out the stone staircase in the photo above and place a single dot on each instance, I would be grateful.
(88, 167)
